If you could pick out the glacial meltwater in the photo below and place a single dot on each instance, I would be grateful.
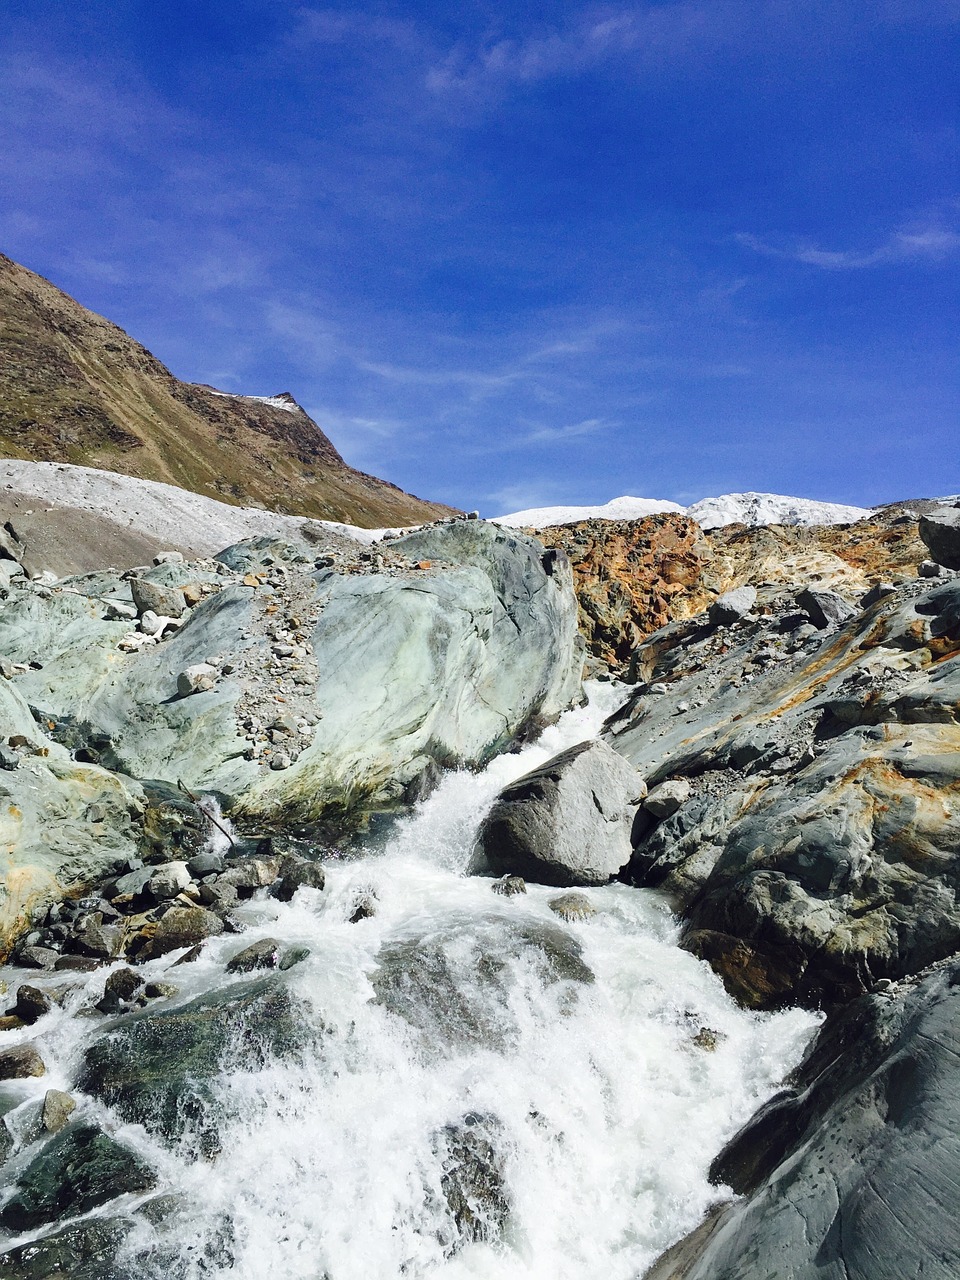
(467, 1084)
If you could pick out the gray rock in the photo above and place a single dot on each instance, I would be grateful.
(57, 1109)
(220, 896)
(83, 1251)
(876, 594)
(293, 956)
(509, 886)
(20, 1063)
(167, 602)
(198, 678)
(205, 863)
(168, 880)
(940, 531)
(929, 569)
(667, 797)
(473, 1182)
(294, 874)
(37, 957)
(825, 608)
(121, 987)
(10, 759)
(852, 1171)
(180, 927)
(732, 606)
(168, 557)
(79, 1170)
(156, 1067)
(572, 906)
(32, 1004)
(567, 822)
(264, 954)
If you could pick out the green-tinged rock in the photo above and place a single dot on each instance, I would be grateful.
(156, 1068)
(77, 1171)
(84, 1251)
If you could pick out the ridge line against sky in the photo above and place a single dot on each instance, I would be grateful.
(511, 258)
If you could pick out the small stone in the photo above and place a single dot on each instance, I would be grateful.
(168, 880)
(57, 1110)
(707, 1039)
(572, 906)
(876, 594)
(9, 759)
(365, 909)
(117, 611)
(280, 761)
(667, 798)
(38, 957)
(192, 593)
(32, 1004)
(168, 557)
(825, 608)
(120, 988)
(206, 863)
(165, 601)
(296, 875)
(20, 1063)
(79, 964)
(199, 678)
(221, 895)
(264, 954)
(180, 927)
(929, 569)
(508, 886)
(732, 606)
(153, 624)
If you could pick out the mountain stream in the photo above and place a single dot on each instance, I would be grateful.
(480, 1089)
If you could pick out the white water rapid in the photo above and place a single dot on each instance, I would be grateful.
(449, 1030)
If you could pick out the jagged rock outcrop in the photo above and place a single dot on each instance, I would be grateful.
(940, 531)
(75, 388)
(851, 1174)
(635, 576)
(819, 846)
(567, 822)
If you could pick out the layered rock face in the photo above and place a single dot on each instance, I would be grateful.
(853, 1170)
(295, 681)
(817, 849)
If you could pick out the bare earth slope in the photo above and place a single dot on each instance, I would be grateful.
(75, 388)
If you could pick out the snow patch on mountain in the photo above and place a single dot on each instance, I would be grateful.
(710, 513)
(283, 401)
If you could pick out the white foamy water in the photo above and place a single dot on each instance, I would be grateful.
(453, 1011)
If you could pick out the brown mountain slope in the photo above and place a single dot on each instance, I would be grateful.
(76, 388)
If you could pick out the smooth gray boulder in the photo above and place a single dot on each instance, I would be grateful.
(852, 1173)
(940, 531)
(566, 823)
(825, 608)
(732, 606)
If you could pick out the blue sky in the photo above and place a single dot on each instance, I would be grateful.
(512, 254)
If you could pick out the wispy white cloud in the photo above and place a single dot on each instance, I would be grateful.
(932, 243)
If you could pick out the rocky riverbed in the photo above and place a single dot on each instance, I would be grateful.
(307, 908)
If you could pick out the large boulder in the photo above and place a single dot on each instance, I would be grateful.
(351, 680)
(851, 1174)
(940, 531)
(157, 1069)
(567, 822)
(63, 824)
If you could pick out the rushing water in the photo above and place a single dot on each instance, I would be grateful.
(446, 1035)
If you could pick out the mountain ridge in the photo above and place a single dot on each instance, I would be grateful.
(75, 388)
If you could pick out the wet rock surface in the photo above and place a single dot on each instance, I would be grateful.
(78, 1170)
(852, 1171)
(158, 1068)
